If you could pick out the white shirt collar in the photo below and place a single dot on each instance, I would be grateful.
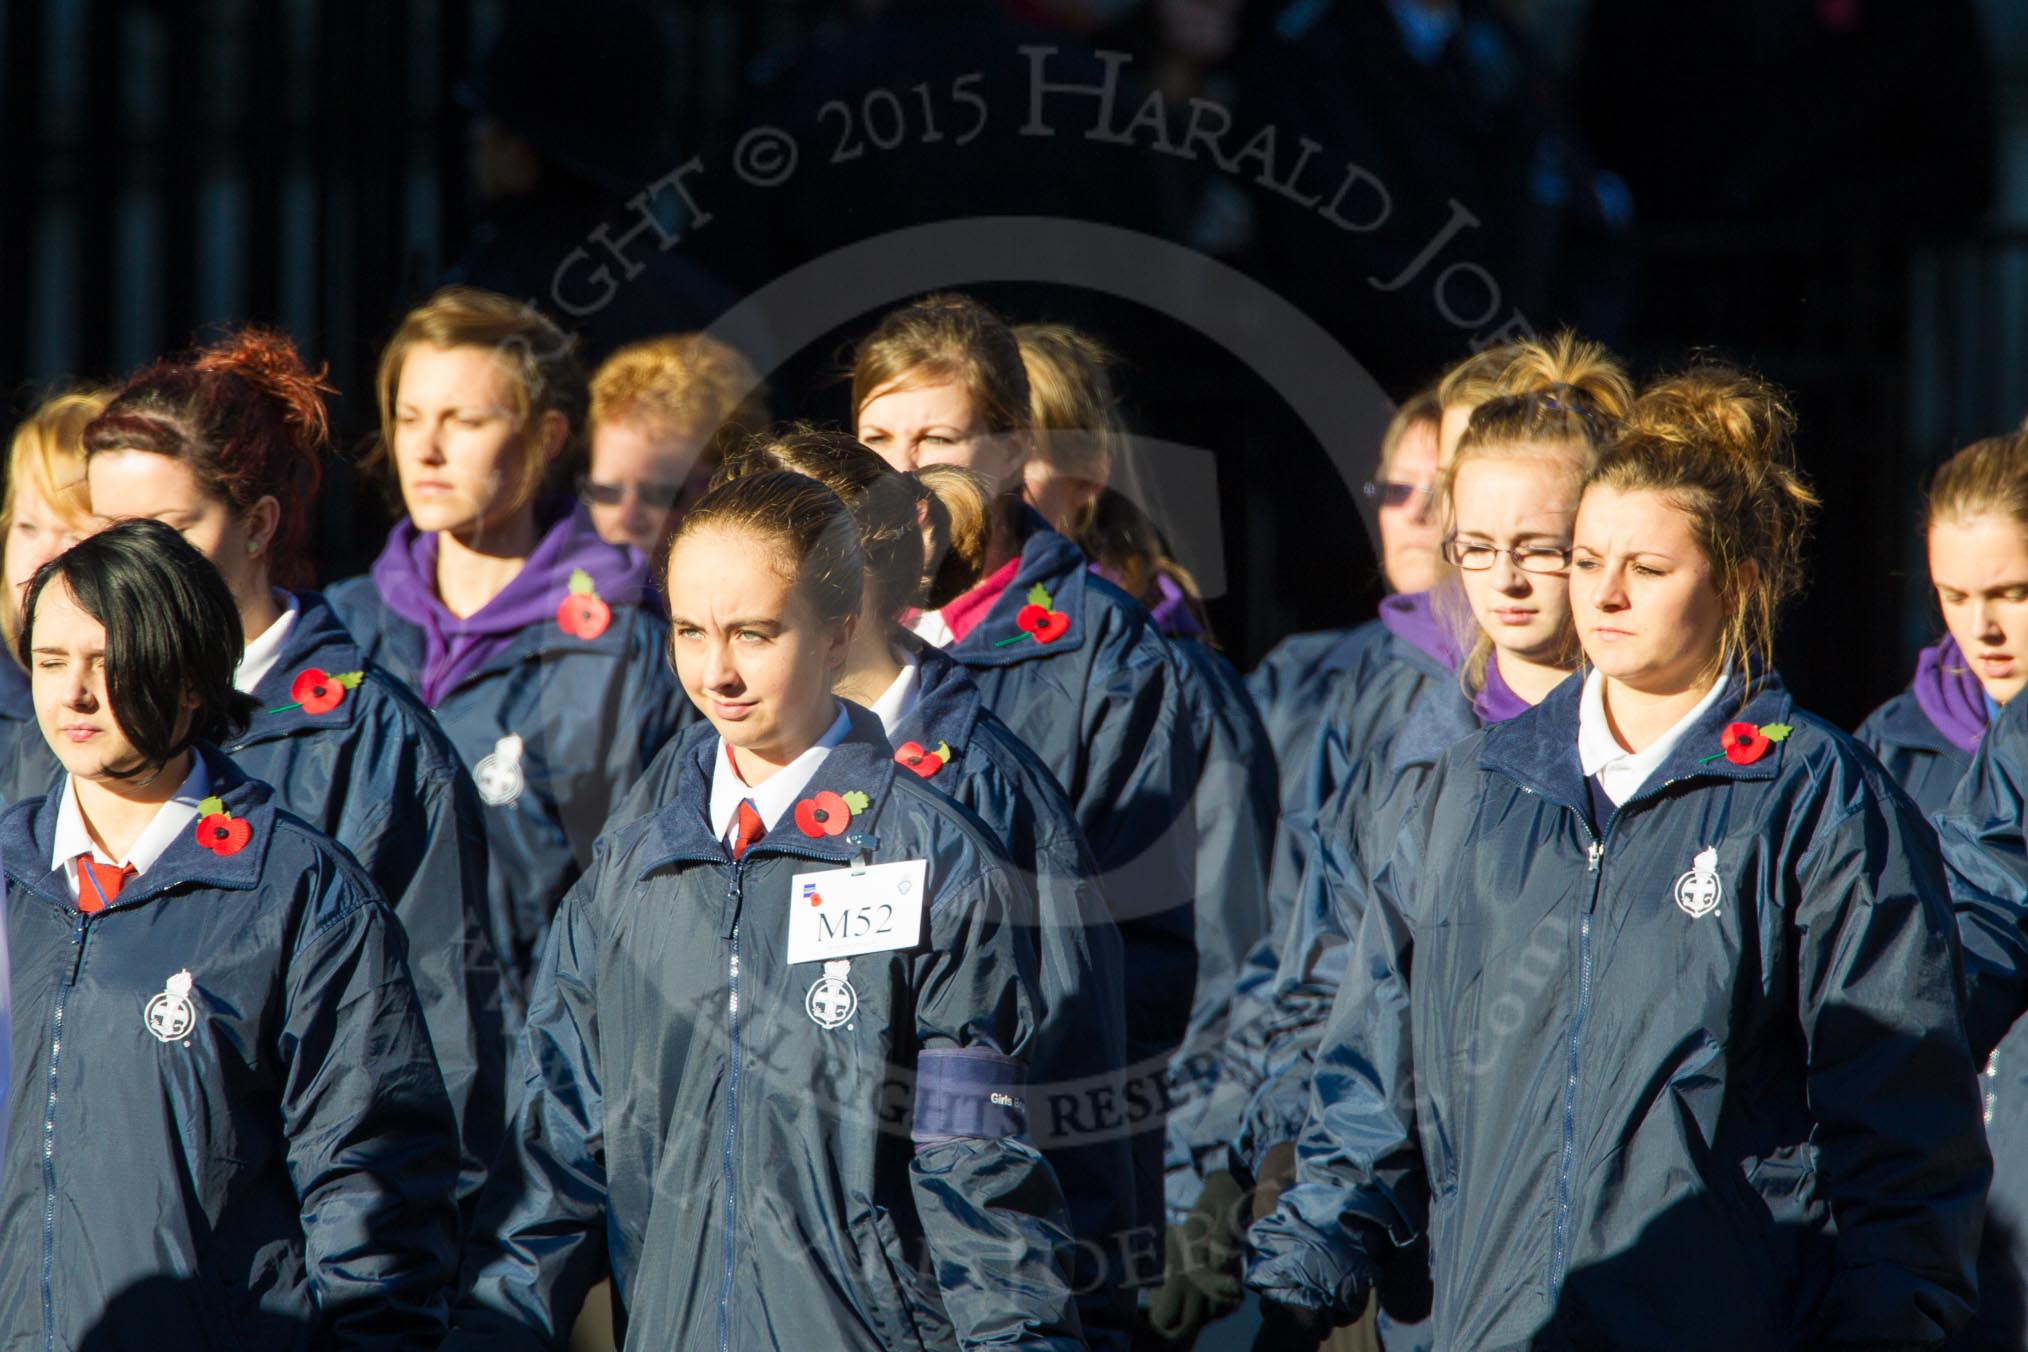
(898, 701)
(262, 654)
(171, 820)
(1621, 772)
(775, 795)
(930, 628)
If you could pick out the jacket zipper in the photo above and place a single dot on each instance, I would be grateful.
(77, 938)
(1560, 1247)
(731, 1111)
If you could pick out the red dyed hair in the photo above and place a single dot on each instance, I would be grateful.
(248, 418)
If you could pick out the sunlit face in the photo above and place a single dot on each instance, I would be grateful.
(1519, 503)
(1643, 594)
(67, 681)
(143, 484)
(458, 445)
(37, 534)
(643, 475)
(749, 647)
(1410, 532)
(914, 425)
(1979, 566)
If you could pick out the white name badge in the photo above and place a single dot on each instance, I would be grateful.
(839, 913)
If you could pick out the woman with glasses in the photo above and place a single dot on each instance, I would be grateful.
(501, 607)
(1653, 1022)
(44, 511)
(663, 414)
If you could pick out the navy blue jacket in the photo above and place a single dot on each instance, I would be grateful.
(265, 1161)
(377, 775)
(590, 714)
(750, 1176)
(1297, 683)
(1235, 806)
(1087, 1107)
(1694, 1077)
(1372, 702)
(1927, 764)
(1986, 857)
(27, 766)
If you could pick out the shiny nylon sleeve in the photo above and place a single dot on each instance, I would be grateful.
(540, 1243)
(372, 1149)
(991, 1210)
(1891, 1082)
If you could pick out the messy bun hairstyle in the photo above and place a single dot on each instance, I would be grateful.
(248, 418)
(1716, 442)
(886, 504)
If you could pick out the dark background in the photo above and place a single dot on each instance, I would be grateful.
(1832, 191)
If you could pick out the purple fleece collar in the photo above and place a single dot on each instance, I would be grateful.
(1407, 616)
(1950, 694)
(1496, 702)
(405, 574)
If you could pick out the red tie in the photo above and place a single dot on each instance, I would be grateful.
(98, 884)
(748, 830)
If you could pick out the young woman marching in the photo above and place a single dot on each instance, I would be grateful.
(941, 731)
(499, 604)
(1977, 531)
(45, 511)
(1071, 664)
(813, 964)
(228, 1129)
(226, 448)
(1955, 743)
(1653, 1023)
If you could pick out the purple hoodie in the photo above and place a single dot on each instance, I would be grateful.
(405, 574)
(1947, 691)
(1497, 702)
(1407, 617)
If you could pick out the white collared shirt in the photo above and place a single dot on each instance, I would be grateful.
(898, 701)
(775, 795)
(262, 654)
(930, 628)
(171, 820)
(1621, 772)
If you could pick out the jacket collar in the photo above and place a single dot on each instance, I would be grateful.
(1904, 722)
(1538, 749)
(947, 704)
(1436, 722)
(28, 834)
(1057, 565)
(681, 831)
(316, 639)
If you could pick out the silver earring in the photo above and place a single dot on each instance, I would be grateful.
(253, 547)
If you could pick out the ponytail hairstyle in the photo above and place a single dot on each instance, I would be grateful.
(958, 509)
(1716, 442)
(1128, 548)
(1073, 403)
(885, 503)
(1986, 478)
(814, 537)
(1560, 401)
(48, 455)
(172, 631)
(247, 418)
(540, 360)
(1474, 379)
